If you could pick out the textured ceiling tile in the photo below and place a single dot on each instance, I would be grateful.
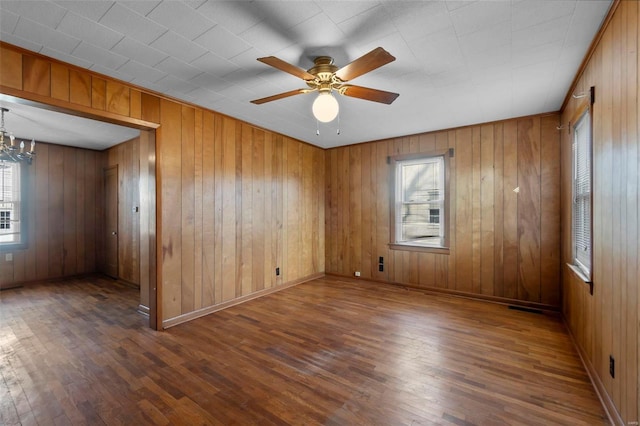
(480, 15)
(340, 11)
(368, 26)
(93, 10)
(89, 31)
(44, 12)
(99, 56)
(540, 34)
(20, 42)
(268, 42)
(136, 70)
(143, 7)
(221, 42)
(212, 63)
(228, 14)
(416, 23)
(65, 57)
(177, 68)
(136, 26)
(210, 82)
(176, 86)
(142, 53)
(177, 46)
(8, 21)
(487, 39)
(44, 35)
(111, 73)
(530, 13)
(181, 18)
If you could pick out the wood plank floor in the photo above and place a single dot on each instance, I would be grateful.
(324, 352)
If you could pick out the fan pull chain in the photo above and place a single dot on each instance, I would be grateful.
(317, 128)
(338, 130)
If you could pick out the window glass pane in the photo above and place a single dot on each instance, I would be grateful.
(10, 214)
(420, 201)
(581, 212)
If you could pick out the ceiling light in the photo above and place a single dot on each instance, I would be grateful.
(8, 149)
(325, 107)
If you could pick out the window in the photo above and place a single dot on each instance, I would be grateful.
(11, 223)
(581, 208)
(419, 202)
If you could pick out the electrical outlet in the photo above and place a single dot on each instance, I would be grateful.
(277, 271)
(8, 257)
(381, 267)
(612, 367)
(381, 260)
(357, 273)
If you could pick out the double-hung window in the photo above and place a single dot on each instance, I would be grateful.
(581, 206)
(419, 205)
(12, 233)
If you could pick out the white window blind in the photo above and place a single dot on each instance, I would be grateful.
(10, 214)
(581, 226)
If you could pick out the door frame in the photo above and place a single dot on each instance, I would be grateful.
(26, 98)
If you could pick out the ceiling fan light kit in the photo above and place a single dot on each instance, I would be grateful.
(325, 108)
(325, 78)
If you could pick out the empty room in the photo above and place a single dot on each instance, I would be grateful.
(319, 212)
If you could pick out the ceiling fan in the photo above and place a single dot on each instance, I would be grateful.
(325, 77)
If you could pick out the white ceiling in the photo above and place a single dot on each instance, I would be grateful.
(458, 62)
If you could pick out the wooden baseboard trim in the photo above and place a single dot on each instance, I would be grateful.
(442, 291)
(605, 399)
(211, 309)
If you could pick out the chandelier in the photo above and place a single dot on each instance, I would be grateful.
(8, 149)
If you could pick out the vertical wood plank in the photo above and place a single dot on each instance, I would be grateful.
(11, 65)
(59, 82)
(529, 209)
(187, 203)
(170, 170)
(511, 207)
(464, 210)
(98, 93)
(228, 209)
(549, 211)
(79, 88)
(487, 212)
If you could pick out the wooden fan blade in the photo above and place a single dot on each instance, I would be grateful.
(287, 67)
(279, 96)
(368, 94)
(368, 62)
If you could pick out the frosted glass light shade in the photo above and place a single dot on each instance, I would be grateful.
(325, 108)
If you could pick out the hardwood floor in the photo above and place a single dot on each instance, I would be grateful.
(324, 352)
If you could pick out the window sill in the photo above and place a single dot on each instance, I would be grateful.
(582, 276)
(424, 249)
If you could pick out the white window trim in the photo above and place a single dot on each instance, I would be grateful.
(395, 204)
(582, 264)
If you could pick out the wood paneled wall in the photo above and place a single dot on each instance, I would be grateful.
(234, 202)
(606, 323)
(503, 244)
(64, 216)
(247, 201)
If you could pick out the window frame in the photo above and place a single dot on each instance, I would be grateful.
(584, 112)
(24, 207)
(394, 161)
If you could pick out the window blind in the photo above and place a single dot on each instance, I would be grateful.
(581, 226)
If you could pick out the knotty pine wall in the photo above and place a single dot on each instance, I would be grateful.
(606, 323)
(233, 201)
(64, 216)
(503, 245)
